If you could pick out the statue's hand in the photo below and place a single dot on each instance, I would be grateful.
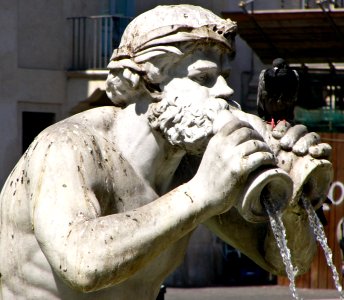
(301, 142)
(232, 154)
(304, 157)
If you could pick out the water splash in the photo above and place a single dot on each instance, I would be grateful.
(278, 230)
(320, 236)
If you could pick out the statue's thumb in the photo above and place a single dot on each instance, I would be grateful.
(222, 118)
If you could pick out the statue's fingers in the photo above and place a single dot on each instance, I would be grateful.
(322, 150)
(232, 126)
(292, 136)
(280, 129)
(251, 146)
(301, 146)
(258, 159)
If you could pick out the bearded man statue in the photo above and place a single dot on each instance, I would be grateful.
(94, 207)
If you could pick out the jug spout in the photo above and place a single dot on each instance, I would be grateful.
(273, 185)
(311, 179)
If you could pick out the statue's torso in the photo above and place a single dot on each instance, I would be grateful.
(26, 273)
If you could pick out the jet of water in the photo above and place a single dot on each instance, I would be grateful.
(278, 230)
(320, 236)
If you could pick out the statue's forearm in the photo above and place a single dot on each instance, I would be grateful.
(103, 251)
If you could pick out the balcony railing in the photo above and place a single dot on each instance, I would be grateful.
(290, 4)
(94, 38)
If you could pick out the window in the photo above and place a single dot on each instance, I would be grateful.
(321, 99)
(33, 118)
(32, 124)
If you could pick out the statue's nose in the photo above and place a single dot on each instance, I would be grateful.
(221, 89)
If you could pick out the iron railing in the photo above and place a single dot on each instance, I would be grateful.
(94, 38)
(290, 4)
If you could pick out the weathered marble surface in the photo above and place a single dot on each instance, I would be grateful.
(94, 208)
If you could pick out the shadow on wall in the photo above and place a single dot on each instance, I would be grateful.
(96, 99)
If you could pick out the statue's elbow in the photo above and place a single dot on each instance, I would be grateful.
(85, 279)
(80, 281)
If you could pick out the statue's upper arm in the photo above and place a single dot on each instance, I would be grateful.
(62, 171)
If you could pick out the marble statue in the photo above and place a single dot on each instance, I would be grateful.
(95, 210)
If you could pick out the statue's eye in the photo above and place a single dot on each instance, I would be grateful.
(201, 78)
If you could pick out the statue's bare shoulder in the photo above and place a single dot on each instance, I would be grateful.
(79, 156)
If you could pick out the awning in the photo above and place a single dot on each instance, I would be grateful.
(300, 36)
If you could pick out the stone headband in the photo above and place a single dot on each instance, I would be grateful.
(172, 24)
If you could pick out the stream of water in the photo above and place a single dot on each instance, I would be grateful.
(319, 233)
(278, 230)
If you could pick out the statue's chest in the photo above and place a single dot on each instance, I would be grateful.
(122, 189)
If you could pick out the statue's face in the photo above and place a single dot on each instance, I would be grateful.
(193, 93)
(199, 77)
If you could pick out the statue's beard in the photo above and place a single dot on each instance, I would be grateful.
(186, 123)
